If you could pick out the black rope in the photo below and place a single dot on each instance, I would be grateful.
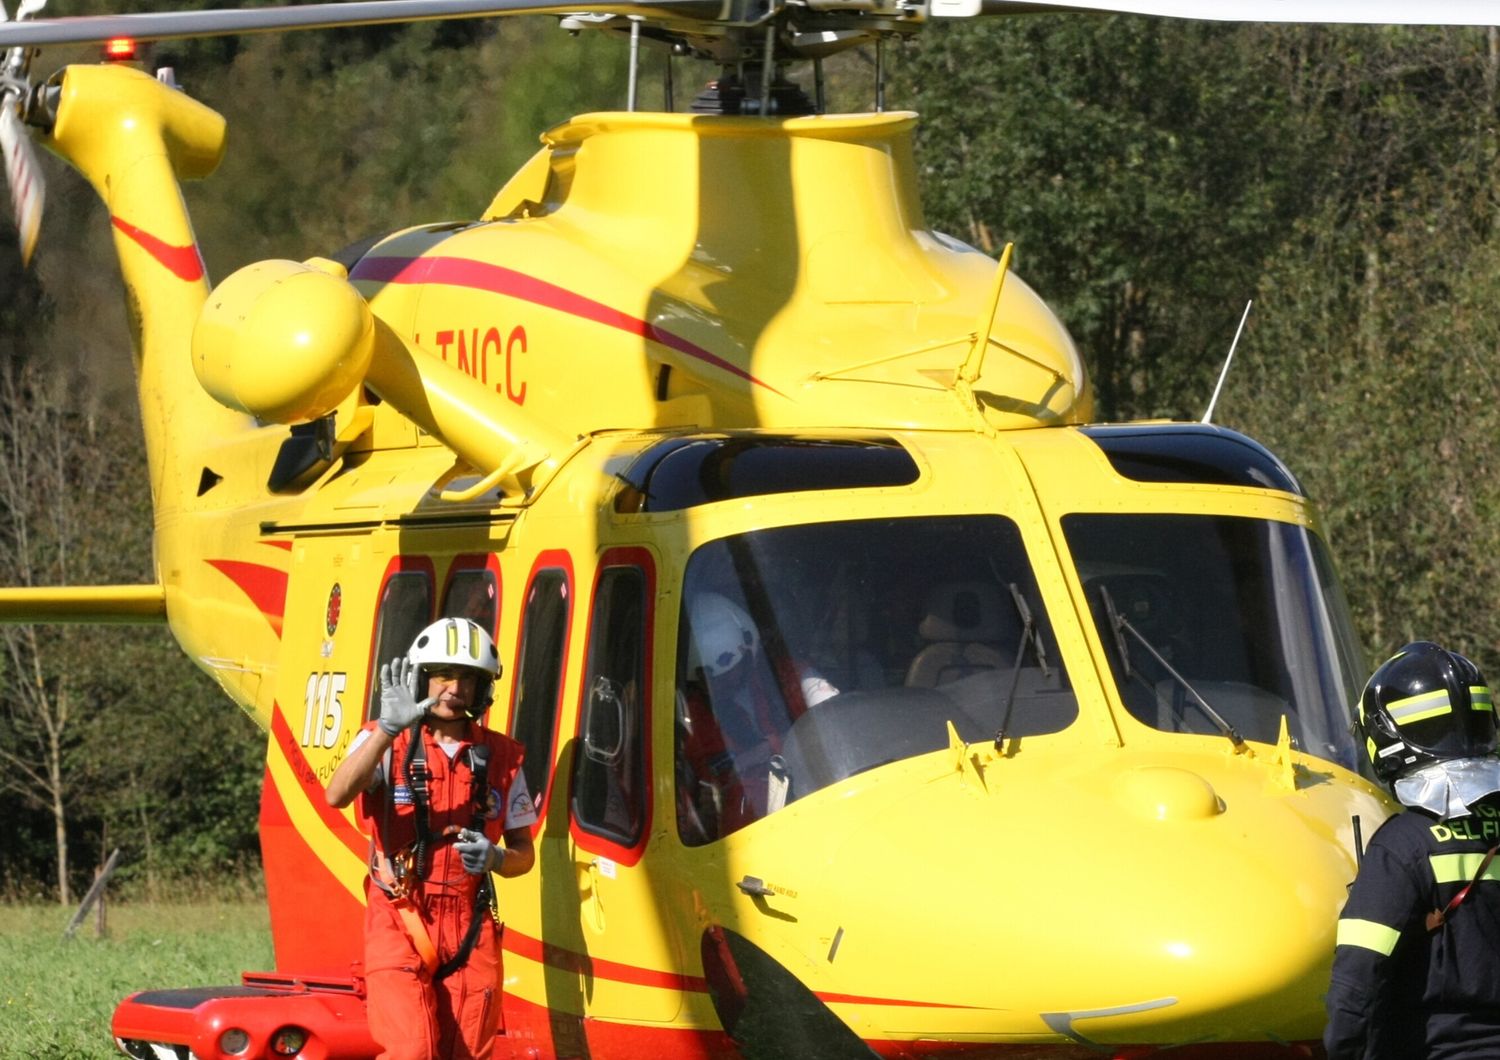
(484, 894)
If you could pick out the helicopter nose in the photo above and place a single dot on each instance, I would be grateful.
(1087, 899)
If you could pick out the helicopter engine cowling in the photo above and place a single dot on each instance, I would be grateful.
(288, 342)
(283, 341)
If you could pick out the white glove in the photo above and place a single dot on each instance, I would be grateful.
(399, 708)
(479, 854)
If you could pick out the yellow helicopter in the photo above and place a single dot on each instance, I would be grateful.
(1039, 745)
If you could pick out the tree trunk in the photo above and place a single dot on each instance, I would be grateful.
(147, 849)
(59, 812)
(1492, 118)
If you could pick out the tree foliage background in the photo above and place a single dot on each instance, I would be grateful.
(1154, 175)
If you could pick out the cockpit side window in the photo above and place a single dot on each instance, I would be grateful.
(405, 608)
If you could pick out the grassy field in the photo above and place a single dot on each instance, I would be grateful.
(56, 997)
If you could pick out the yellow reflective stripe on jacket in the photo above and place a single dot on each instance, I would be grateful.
(1460, 868)
(1419, 708)
(1368, 935)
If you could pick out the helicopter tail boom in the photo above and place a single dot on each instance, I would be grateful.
(133, 138)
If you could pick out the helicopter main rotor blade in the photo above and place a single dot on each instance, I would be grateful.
(1351, 12)
(164, 25)
(23, 175)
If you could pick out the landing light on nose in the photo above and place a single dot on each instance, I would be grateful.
(1167, 793)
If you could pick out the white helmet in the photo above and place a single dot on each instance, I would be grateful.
(723, 634)
(456, 642)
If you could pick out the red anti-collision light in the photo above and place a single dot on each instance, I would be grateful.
(121, 49)
(288, 1041)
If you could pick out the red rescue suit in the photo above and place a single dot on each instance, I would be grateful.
(412, 1017)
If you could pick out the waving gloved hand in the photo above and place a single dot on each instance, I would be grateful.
(479, 854)
(399, 706)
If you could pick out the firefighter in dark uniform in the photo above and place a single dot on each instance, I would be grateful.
(1416, 970)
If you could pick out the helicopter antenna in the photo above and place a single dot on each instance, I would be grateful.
(768, 68)
(1224, 372)
(635, 64)
(973, 363)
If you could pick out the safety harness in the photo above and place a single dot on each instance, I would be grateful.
(400, 874)
(1438, 917)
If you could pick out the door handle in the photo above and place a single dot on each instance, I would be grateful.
(590, 872)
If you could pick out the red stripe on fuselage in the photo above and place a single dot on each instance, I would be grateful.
(857, 999)
(265, 586)
(497, 279)
(585, 964)
(523, 945)
(183, 262)
(307, 779)
(316, 923)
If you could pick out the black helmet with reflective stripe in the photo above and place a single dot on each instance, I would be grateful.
(1425, 704)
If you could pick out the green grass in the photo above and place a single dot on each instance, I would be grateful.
(56, 997)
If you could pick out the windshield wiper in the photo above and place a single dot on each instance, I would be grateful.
(1029, 635)
(1120, 625)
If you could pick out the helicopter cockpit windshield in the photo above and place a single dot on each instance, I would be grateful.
(1222, 625)
(808, 654)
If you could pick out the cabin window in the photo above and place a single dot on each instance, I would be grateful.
(473, 594)
(684, 472)
(808, 654)
(1191, 452)
(609, 779)
(539, 669)
(405, 609)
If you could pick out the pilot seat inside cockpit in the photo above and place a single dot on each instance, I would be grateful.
(963, 626)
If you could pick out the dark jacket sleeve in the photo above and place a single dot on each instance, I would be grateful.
(1385, 905)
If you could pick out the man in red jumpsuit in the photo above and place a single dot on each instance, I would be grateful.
(437, 794)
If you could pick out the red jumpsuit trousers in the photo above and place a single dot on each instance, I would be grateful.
(412, 1017)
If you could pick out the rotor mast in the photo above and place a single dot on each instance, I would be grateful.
(755, 44)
